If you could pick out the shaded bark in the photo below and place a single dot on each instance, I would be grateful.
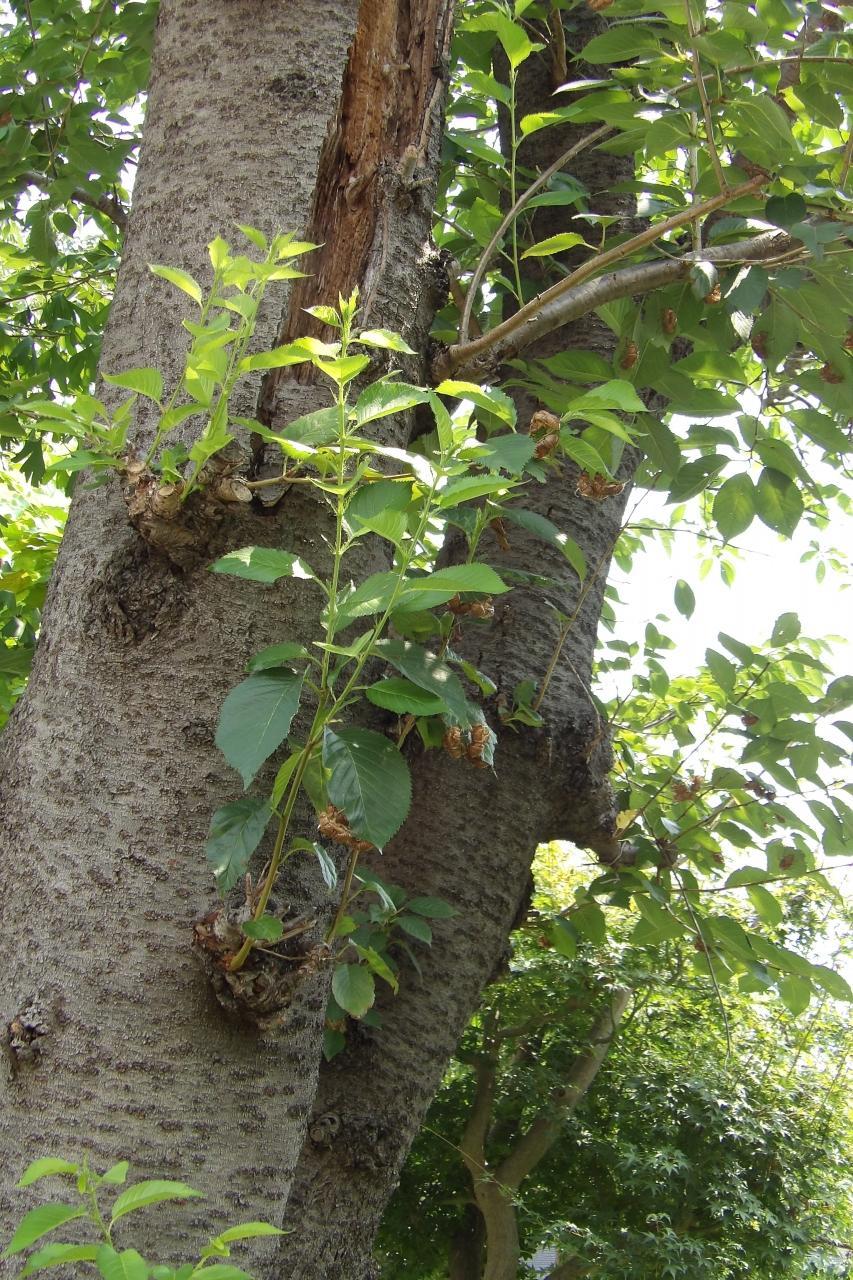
(115, 1044)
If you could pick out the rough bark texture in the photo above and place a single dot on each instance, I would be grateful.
(102, 871)
(470, 838)
(115, 1043)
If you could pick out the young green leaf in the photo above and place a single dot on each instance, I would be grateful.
(354, 989)
(38, 1222)
(147, 382)
(116, 1174)
(430, 674)
(554, 244)
(734, 505)
(278, 358)
(235, 833)
(127, 1265)
(405, 698)
(248, 1231)
(264, 929)
(415, 927)
(434, 908)
(46, 1167)
(278, 655)
(384, 338)
(181, 279)
(545, 529)
(778, 501)
(262, 564)
(54, 1255)
(256, 718)
(369, 780)
(152, 1191)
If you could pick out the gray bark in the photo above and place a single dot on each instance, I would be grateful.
(110, 774)
(103, 872)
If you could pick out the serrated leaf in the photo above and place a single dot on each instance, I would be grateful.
(278, 655)
(277, 358)
(369, 780)
(734, 505)
(248, 1231)
(147, 382)
(38, 1222)
(404, 698)
(53, 1255)
(386, 339)
(429, 673)
(545, 529)
(795, 993)
(494, 401)
(46, 1167)
(778, 501)
(381, 399)
(434, 908)
(181, 279)
(354, 989)
(264, 929)
(415, 927)
(262, 564)
(554, 244)
(256, 718)
(127, 1265)
(343, 369)
(152, 1191)
(378, 965)
(236, 831)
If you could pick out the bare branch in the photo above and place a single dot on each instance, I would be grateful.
(108, 205)
(477, 359)
(545, 1129)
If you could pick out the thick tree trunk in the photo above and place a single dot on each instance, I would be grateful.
(115, 1043)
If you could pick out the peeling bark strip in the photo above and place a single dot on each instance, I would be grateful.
(391, 92)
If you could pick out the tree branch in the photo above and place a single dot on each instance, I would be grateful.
(475, 360)
(109, 206)
(545, 1129)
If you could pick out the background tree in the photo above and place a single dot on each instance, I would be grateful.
(115, 735)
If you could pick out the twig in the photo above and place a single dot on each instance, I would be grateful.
(516, 209)
(703, 98)
(109, 205)
(466, 352)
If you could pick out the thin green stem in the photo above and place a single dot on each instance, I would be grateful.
(345, 895)
(513, 184)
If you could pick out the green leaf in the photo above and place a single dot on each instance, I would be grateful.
(53, 1255)
(152, 1191)
(256, 718)
(264, 929)
(181, 279)
(685, 600)
(224, 1271)
(834, 984)
(430, 674)
(722, 671)
(369, 781)
(436, 588)
(384, 338)
(116, 1174)
(778, 501)
(381, 399)
(734, 505)
(404, 698)
(554, 244)
(786, 628)
(354, 989)
(378, 965)
(278, 358)
(795, 993)
(38, 1222)
(248, 1231)
(545, 529)
(415, 927)
(615, 394)
(621, 44)
(262, 564)
(127, 1265)
(47, 1167)
(433, 908)
(764, 904)
(590, 920)
(147, 382)
(493, 401)
(563, 937)
(343, 369)
(278, 655)
(235, 833)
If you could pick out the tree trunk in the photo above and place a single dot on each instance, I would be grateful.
(116, 1045)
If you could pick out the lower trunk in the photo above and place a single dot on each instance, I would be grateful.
(466, 1247)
